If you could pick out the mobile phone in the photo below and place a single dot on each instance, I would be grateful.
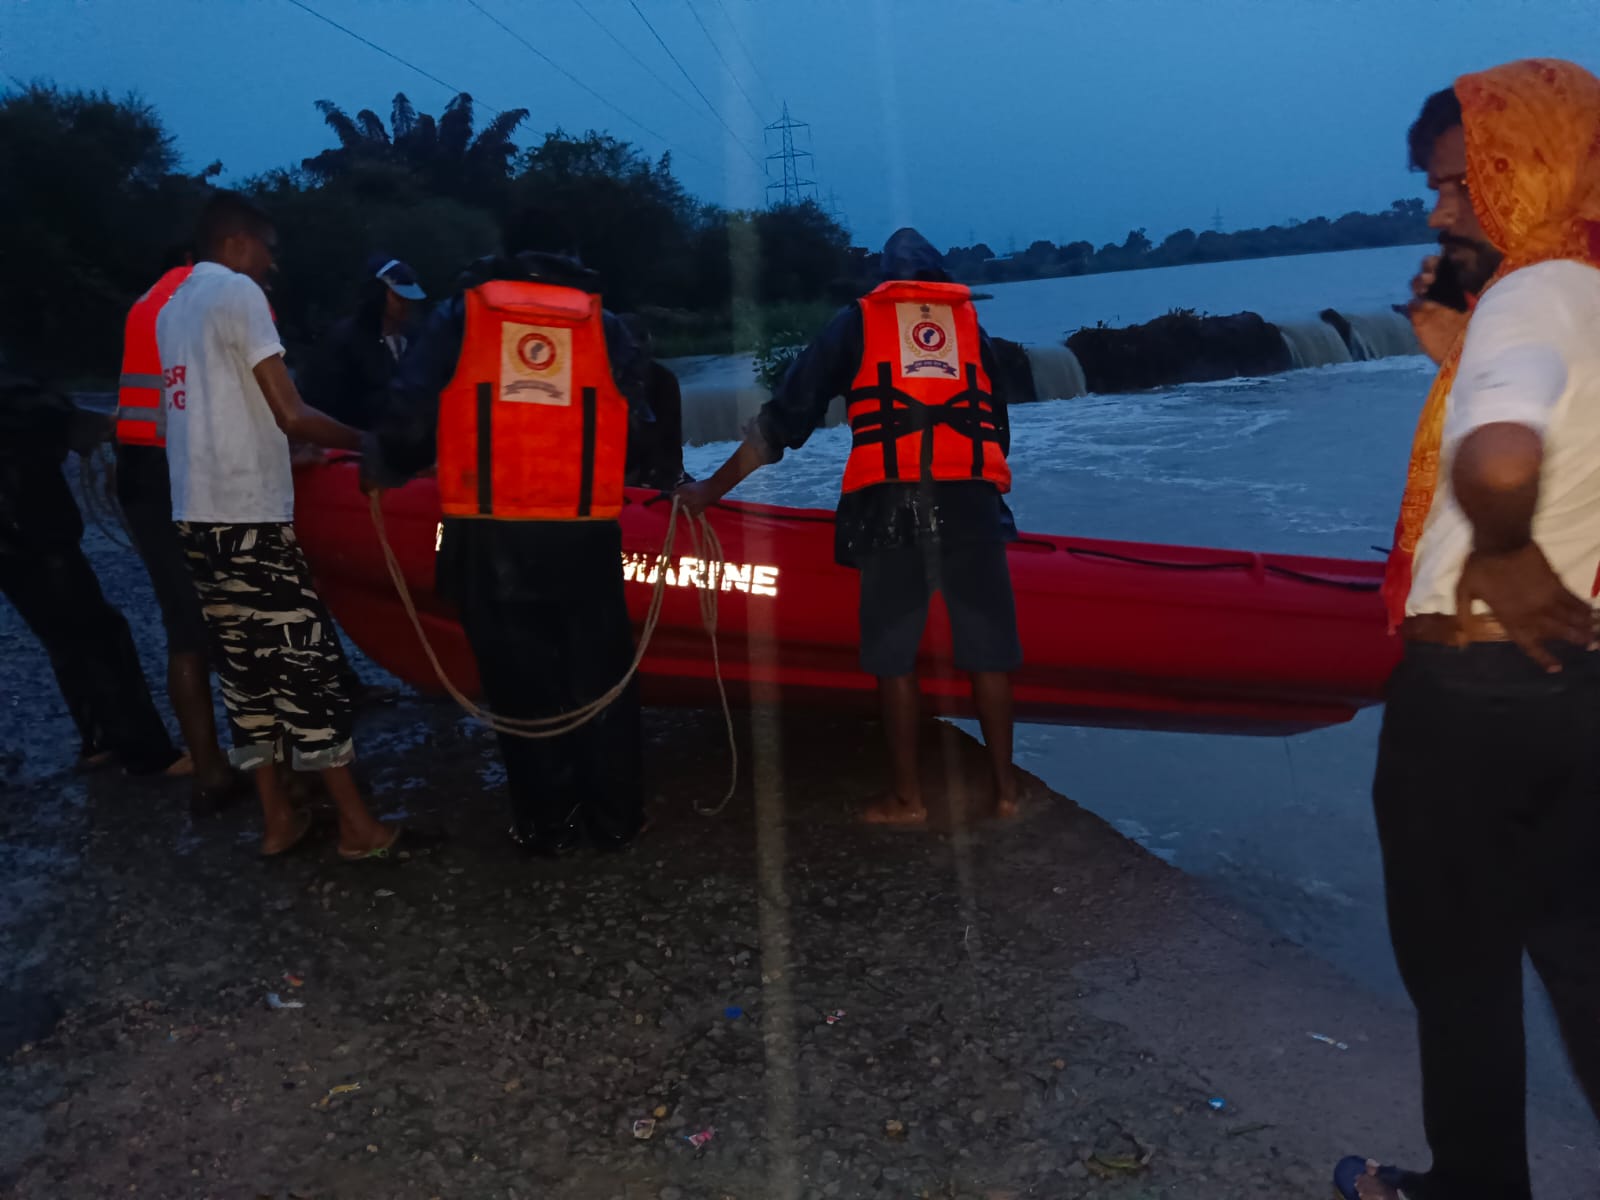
(1446, 288)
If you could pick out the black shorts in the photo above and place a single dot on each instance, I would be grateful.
(145, 494)
(897, 585)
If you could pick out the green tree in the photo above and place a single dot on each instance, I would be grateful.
(446, 156)
(1176, 248)
(598, 197)
(91, 196)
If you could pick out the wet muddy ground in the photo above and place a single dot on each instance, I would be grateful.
(1037, 1009)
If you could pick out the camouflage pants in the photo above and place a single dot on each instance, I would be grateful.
(277, 659)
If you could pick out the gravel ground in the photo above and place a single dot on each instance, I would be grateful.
(1036, 1009)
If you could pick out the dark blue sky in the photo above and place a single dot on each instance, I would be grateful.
(996, 118)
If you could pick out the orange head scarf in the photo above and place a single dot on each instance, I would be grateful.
(1532, 130)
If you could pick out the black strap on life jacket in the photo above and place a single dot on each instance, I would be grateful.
(970, 412)
(485, 399)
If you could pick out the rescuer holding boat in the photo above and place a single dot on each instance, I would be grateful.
(922, 506)
(525, 389)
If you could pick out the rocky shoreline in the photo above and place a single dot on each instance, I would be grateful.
(1039, 1008)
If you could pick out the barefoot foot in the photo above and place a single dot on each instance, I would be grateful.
(892, 810)
(280, 839)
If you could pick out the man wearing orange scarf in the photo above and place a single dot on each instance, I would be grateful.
(1488, 783)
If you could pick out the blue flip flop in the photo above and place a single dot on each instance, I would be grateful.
(1353, 1168)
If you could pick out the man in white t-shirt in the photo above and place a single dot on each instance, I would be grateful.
(1487, 792)
(231, 409)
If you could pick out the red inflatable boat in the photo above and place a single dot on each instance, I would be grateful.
(1114, 633)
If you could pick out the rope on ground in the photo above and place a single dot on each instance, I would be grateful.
(708, 549)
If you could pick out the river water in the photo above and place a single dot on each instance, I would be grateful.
(1312, 462)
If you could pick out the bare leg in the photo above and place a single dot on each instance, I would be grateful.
(902, 717)
(283, 826)
(359, 830)
(991, 693)
(189, 690)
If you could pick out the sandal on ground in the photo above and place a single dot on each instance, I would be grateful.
(1354, 1168)
(388, 852)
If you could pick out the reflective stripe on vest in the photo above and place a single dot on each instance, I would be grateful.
(141, 399)
(921, 407)
(532, 426)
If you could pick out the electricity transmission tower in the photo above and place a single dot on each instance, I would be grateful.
(793, 187)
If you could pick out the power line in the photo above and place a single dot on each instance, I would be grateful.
(745, 50)
(726, 64)
(684, 71)
(628, 50)
(449, 87)
(558, 67)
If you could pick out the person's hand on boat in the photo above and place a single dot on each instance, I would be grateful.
(88, 431)
(1524, 593)
(695, 498)
(1436, 325)
(304, 454)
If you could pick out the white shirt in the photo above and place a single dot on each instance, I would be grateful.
(1532, 357)
(228, 459)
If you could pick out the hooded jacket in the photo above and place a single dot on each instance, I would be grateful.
(889, 515)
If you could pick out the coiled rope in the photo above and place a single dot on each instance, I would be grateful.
(707, 548)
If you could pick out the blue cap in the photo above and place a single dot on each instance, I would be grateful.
(402, 280)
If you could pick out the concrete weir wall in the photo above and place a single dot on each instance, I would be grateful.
(721, 393)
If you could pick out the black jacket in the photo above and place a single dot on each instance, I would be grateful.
(350, 370)
(887, 515)
(510, 556)
(36, 429)
(404, 438)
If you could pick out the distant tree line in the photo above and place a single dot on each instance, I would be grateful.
(92, 199)
(1404, 223)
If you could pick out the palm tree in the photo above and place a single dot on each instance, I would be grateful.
(444, 154)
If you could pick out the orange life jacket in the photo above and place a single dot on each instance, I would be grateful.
(532, 426)
(141, 405)
(921, 407)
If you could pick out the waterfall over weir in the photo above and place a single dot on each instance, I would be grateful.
(1057, 374)
(1348, 337)
(1381, 335)
(1314, 344)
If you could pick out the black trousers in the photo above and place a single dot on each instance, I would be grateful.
(543, 608)
(91, 652)
(1488, 807)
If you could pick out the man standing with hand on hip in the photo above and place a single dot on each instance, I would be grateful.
(1488, 781)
